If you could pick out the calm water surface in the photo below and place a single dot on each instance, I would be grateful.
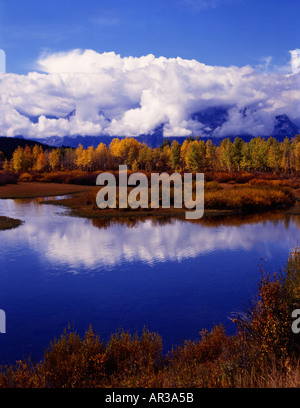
(174, 277)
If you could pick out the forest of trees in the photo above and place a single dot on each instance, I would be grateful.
(259, 154)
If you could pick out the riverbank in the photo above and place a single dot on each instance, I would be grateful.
(32, 190)
(39, 189)
(220, 199)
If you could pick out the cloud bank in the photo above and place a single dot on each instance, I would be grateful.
(128, 96)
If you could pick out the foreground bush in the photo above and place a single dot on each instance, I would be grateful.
(25, 177)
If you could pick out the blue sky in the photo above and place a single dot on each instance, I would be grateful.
(215, 32)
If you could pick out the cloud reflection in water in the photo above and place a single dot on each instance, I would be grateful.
(83, 244)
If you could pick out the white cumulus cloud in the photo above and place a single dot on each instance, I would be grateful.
(295, 61)
(116, 96)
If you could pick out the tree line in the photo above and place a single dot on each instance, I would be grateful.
(194, 155)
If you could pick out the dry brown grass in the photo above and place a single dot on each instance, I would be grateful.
(248, 198)
(38, 189)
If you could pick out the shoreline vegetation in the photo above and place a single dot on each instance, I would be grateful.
(264, 352)
(240, 177)
(7, 223)
(234, 195)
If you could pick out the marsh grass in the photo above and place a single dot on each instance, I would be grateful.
(238, 199)
(246, 198)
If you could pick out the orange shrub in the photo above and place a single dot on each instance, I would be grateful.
(25, 177)
(239, 177)
(267, 322)
(292, 183)
(72, 362)
(131, 356)
(247, 198)
(24, 374)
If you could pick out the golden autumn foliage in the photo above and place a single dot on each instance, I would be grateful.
(194, 155)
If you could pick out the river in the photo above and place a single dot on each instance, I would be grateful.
(173, 276)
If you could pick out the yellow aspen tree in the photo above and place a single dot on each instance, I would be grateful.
(193, 157)
(175, 149)
(6, 165)
(36, 150)
(54, 159)
(297, 157)
(286, 155)
(166, 158)
(91, 158)
(114, 149)
(101, 156)
(18, 160)
(28, 159)
(183, 151)
(211, 155)
(274, 154)
(79, 156)
(42, 162)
